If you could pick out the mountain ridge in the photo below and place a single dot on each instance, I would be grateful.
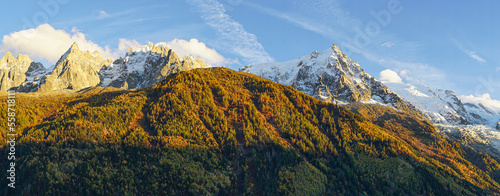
(77, 70)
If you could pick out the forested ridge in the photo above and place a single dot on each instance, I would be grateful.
(220, 132)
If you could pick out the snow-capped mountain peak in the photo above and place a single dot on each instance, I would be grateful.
(444, 107)
(145, 66)
(330, 75)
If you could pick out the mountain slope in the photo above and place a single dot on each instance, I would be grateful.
(331, 76)
(217, 131)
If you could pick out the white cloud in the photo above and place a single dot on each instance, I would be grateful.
(125, 44)
(470, 53)
(389, 76)
(234, 35)
(475, 56)
(47, 43)
(388, 44)
(484, 99)
(103, 14)
(195, 48)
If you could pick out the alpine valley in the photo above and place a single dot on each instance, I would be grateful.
(154, 123)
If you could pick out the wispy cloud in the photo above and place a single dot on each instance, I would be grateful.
(240, 41)
(126, 14)
(323, 30)
(329, 13)
(475, 56)
(387, 44)
(470, 53)
(134, 21)
(103, 14)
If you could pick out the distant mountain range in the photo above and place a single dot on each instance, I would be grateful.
(77, 70)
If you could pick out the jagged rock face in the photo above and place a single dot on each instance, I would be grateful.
(330, 76)
(34, 71)
(498, 125)
(13, 70)
(459, 114)
(476, 112)
(146, 66)
(75, 70)
(33, 76)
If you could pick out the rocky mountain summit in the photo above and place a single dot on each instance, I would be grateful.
(146, 66)
(14, 71)
(331, 76)
(77, 69)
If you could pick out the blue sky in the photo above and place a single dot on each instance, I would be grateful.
(445, 44)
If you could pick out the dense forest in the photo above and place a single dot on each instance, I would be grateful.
(220, 132)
